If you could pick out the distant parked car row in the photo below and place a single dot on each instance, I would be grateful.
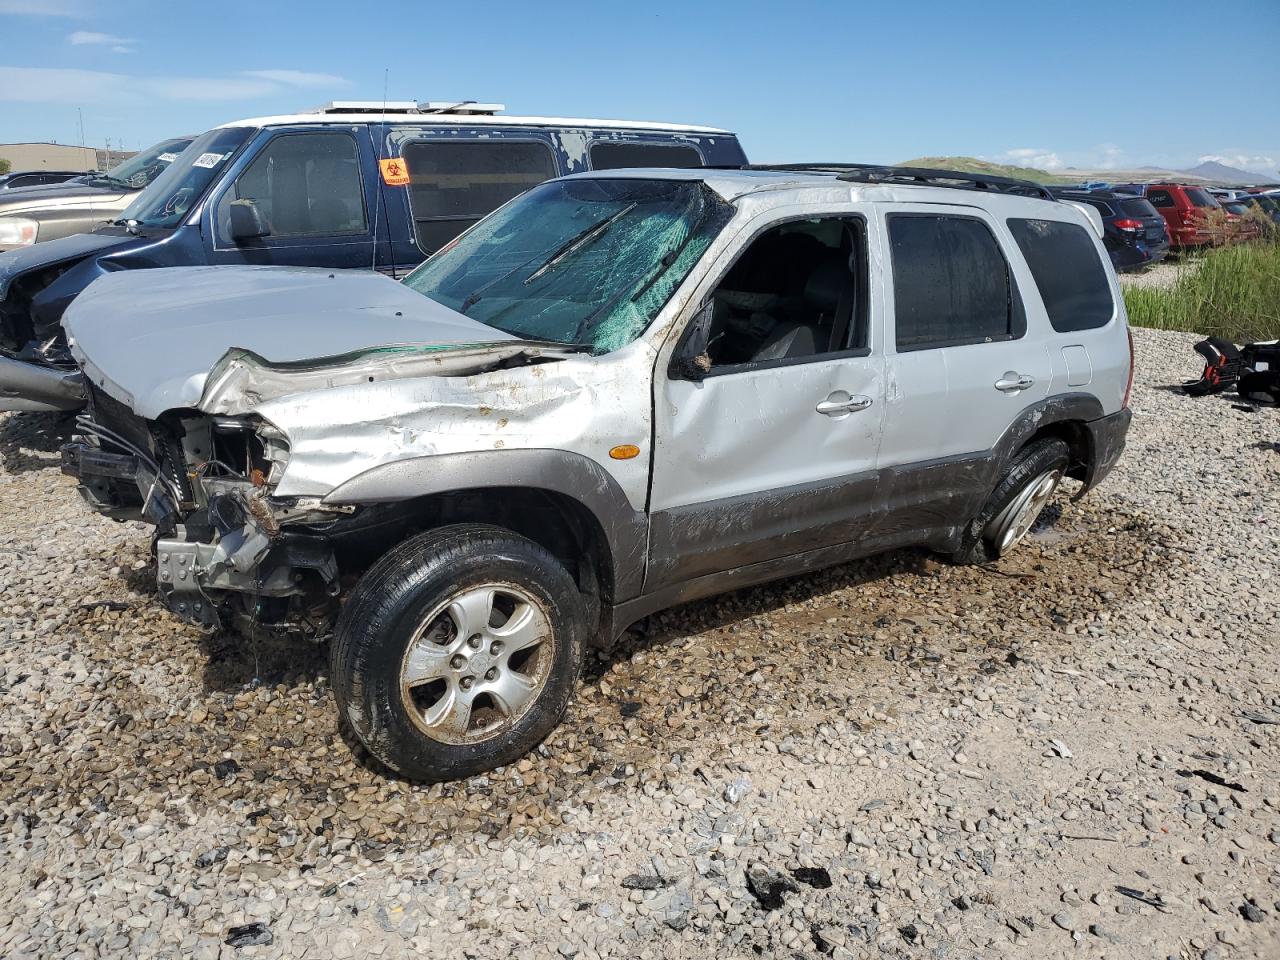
(1143, 222)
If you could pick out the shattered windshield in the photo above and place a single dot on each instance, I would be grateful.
(587, 261)
(142, 168)
(166, 201)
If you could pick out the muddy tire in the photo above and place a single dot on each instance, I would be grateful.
(1026, 486)
(458, 651)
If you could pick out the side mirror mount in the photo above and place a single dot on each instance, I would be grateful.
(247, 222)
(691, 361)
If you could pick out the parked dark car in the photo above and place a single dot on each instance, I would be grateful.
(1185, 211)
(1134, 233)
(38, 178)
(347, 186)
(31, 215)
(1268, 206)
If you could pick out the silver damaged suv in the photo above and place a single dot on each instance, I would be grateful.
(618, 392)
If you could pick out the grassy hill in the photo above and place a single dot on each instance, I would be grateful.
(974, 165)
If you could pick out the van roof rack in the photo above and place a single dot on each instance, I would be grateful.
(464, 108)
(920, 176)
(461, 107)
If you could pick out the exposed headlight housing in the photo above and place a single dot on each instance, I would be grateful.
(18, 231)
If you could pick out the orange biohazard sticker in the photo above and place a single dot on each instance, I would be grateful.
(395, 172)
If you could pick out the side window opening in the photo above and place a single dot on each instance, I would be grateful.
(1160, 198)
(454, 184)
(619, 154)
(951, 283)
(304, 184)
(1068, 271)
(797, 291)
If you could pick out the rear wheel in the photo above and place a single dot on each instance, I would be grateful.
(458, 651)
(1023, 492)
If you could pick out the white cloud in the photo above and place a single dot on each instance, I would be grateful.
(56, 85)
(1030, 157)
(88, 38)
(297, 78)
(45, 8)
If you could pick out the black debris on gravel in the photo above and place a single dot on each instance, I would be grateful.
(769, 888)
(249, 935)
(816, 877)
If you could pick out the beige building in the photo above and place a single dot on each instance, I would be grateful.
(48, 156)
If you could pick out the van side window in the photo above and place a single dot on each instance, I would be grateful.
(1068, 271)
(452, 185)
(1160, 198)
(616, 155)
(305, 184)
(951, 283)
(797, 292)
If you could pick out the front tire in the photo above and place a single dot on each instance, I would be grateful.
(458, 651)
(1018, 499)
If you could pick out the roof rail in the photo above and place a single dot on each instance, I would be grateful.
(919, 176)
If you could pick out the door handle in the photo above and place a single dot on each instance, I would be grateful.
(1013, 382)
(838, 406)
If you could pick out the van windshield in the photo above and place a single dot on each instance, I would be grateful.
(172, 194)
(587, 262)
(142, 168)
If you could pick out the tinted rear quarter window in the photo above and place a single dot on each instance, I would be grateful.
(1199, 198)
(1138, 208)
(1067, 269)
(1160, 198)
(951, 284)
(615, 155)
(452, 185)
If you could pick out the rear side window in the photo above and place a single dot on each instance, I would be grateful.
(452, 185)
(1067, 269)
(1160, 198)
(1199, 198)
(1138, 208)
(306, 184)
(615, 155)
(951, 283)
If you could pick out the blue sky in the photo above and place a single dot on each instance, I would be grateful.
(1082, 84)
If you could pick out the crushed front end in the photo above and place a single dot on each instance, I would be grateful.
(228, 552)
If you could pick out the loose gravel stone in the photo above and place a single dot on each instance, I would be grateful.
(966, 752)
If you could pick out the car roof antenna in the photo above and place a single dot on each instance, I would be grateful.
(378, 184)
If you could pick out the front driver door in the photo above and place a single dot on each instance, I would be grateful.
(773, 453)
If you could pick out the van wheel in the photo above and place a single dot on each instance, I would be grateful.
(458, 651)
(1018, 499)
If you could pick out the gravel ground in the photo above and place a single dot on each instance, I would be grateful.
(1075, 750)
(1161, 276)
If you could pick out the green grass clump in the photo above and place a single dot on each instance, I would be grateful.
(1233, 293)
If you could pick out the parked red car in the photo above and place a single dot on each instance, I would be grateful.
(1184, 210)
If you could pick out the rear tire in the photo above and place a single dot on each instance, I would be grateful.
(458, 651)
(1018, 499)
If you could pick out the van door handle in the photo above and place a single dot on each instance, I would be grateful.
(1012, 382)
(840, 404)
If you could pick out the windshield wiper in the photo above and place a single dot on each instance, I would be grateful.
(578, 241)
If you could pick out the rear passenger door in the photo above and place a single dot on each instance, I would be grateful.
(963, 362)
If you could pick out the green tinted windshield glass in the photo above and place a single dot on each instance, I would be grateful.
(166, 201)
(587, 261)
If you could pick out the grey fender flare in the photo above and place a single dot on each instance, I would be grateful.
(569, 474)
(1081, 408)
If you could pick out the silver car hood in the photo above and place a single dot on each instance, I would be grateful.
(152, 338)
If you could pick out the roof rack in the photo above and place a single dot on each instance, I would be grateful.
(466, 108)
(920, 176)
(461, 107)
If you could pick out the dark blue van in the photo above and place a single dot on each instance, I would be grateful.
(352, 185)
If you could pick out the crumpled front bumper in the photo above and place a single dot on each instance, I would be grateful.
(33, 387)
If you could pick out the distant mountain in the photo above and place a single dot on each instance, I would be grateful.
(1221, 173)
(974, 165)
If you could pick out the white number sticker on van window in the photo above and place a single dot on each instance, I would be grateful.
(167, 157)
(209, 160)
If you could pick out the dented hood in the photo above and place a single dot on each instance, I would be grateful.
(151, 337)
